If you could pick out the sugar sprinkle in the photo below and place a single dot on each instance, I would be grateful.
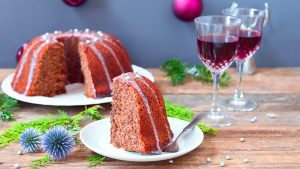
(242, 139)
(253, 120)
(228, 157)
(272, 115)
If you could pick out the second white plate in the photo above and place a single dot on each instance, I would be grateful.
(96, 136)
(73, 97)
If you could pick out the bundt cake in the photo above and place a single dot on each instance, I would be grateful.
(53, 60)
(138, 118)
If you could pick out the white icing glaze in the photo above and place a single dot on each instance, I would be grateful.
(88, 42)
(24, 59)
(102, 61)
(137, 75)
(33, 65)
(146, 103)
(154, 93)
(99, 39)
(127, 77)
(113, 54)
(98, 36)
(100, 33)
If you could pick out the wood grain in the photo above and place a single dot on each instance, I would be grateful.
(270, 143)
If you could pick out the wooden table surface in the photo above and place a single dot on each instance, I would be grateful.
(270, 143)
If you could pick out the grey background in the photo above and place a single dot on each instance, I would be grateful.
(148, 28)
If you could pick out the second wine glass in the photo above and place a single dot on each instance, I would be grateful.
(250, 37)
(217, 38)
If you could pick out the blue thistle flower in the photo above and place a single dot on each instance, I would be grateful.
(58, 142)
(30, 140)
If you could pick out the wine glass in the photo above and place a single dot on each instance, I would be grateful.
(250, 37)
(217, 38)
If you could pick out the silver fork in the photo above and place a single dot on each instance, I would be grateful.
(173, 146)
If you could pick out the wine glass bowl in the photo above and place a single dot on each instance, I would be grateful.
(217, 40)
(249, 41)
(217, 51)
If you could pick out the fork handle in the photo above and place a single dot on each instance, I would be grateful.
(194, 122)
(191, 124)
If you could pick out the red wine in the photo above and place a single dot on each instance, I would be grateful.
(217, 51)
(249, 42)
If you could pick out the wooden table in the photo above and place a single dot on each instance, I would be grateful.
(270, 143)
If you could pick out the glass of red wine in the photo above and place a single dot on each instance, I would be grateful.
(217, 38)
(249, 42)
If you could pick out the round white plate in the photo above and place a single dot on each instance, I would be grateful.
(74, 96)
(96, 136)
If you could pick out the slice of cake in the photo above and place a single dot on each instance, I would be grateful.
(138, 118)
(45, 71)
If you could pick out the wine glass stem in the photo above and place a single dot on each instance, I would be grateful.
(238, 94)
(215, 107)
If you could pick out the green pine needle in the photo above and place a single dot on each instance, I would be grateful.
(201, 73)
(13, 133)
(95, 160)
(186, 114)
(41, 162)
(175, 70)
(7, 106)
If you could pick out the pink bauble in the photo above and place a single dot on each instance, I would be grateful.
(187, 10)
(74, 2)
(20, 52)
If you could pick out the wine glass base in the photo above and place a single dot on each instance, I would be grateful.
(239, 105)
(218, 120)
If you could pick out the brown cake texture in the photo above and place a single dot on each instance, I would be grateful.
(138, 118)
(51, 61)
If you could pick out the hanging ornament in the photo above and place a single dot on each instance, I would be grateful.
(187, 10)
(20, 52)
(74, 2)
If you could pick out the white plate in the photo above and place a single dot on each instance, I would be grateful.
(96, 136)
(74, 96)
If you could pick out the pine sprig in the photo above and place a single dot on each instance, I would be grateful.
(41, 162)
(7, 106)
(177, 72)
(186, 114)
(13, 133)
(95, 160)
(201, 73)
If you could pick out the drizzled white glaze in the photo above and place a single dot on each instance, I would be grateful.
(103, 63)
(114, 55)
(33, 65)
(99, 38)
(154, 93)
(115, 44)
(23, 60)
(146, 103)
